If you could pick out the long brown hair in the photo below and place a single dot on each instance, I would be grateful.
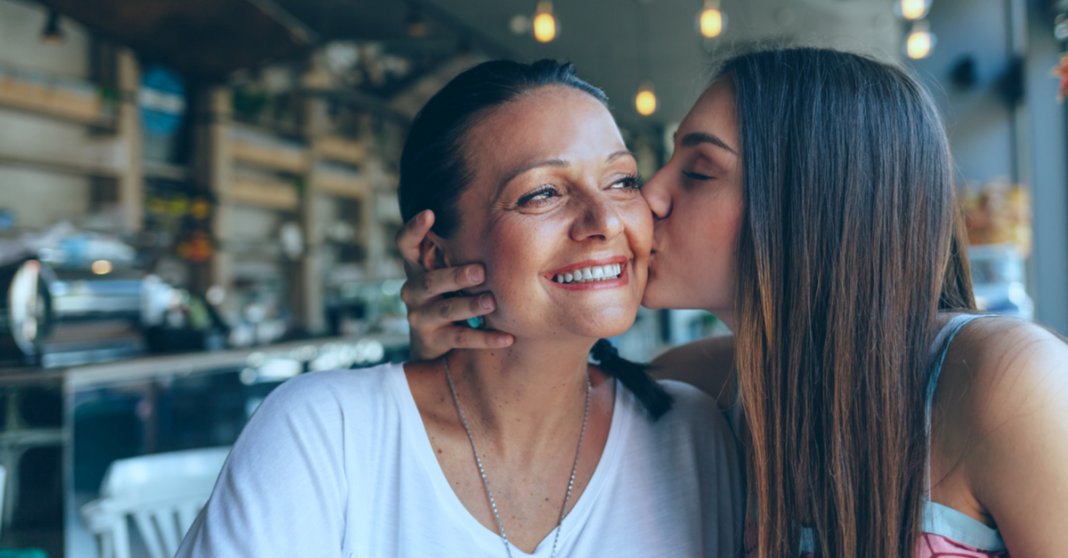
(847, 251)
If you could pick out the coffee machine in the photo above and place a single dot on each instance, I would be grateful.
(64, 316)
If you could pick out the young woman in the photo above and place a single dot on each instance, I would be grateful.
(524, 451)
(809, 204)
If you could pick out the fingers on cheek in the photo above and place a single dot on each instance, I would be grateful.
(483, 303)
(414, 318)
(445, 309)
(427, 282)
(471, 275)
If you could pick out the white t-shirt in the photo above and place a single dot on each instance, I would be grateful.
(339, 464)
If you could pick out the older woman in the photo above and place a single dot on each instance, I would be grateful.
(528, 450)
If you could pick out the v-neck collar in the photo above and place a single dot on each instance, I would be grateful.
(417, 442)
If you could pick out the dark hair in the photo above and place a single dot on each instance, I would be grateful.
(434, 171)
(634, 376)
(847, 251)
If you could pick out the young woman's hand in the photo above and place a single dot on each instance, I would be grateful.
(433, 316)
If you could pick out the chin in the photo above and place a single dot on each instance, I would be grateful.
(616, 331)
(610, 326)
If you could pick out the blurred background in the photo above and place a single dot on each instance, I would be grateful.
(197, 202)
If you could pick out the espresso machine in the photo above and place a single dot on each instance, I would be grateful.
(54, 316)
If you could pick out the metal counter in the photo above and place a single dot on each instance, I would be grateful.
(61, 428)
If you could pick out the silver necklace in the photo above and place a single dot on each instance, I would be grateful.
(482, 470)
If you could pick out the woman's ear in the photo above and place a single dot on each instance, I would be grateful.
(432, 252)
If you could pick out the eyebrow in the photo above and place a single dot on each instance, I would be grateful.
(696, 138)
(559, 163)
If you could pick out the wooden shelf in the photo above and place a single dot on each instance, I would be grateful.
(276, 158)
(53, 101)
(266, 194)
(75, 168)
(356, 187)
(342, 150)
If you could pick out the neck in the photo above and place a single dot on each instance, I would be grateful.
(521, 398)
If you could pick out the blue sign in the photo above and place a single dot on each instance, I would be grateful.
(162, 101)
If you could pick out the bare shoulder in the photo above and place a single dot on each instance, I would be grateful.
(707, 364)
(1008, 383)
(1010, 339)
(999, 368)
(1008, 358)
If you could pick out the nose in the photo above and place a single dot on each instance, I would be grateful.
(599, 217)
(657, 194)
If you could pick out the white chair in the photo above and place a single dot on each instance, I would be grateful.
(161, 493)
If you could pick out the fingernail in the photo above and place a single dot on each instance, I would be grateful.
(474, 273)
(503, 340)
(423, 216)
(486, 302)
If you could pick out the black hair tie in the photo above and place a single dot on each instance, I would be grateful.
(634, 377)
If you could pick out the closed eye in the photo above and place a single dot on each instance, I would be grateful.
(697, 176)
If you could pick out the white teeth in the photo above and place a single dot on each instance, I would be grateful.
(592, 273)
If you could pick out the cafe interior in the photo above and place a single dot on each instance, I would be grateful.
(198, 202)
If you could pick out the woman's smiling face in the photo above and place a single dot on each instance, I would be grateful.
(554, 211)
(697, 199)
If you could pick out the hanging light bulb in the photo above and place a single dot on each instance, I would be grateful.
(415, 24)
(913, 10)
(920, 41)
(101, 267)
(52, 33)
(544, 22)
(711, 21)
(645, 100)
